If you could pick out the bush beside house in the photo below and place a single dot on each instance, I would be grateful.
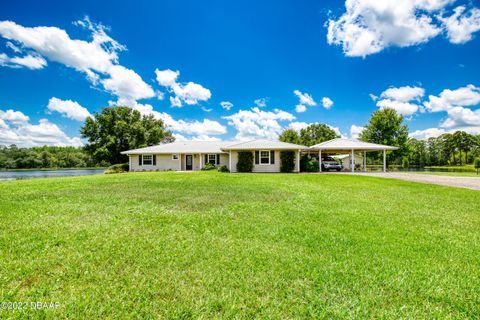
(287, 161)
(245, 161)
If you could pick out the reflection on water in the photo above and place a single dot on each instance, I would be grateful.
(28, 174)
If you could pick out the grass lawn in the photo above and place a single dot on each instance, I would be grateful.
(437, 173)
(212, 245)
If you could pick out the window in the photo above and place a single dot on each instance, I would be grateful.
(174, 156)
(147, 160)
(212, 158)
(264, 157)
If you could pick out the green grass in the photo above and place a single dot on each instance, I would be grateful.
(446, 173)
(212, 245)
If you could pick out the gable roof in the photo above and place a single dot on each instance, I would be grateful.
(214, 147)
(183, 147)
(349, 144)
(260, 144)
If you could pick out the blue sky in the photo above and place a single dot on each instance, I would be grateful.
(277, 64)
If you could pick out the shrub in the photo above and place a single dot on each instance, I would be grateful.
(405, 163)
(287, 159)
(208, 167)
(245, 161)
(223, 168)
(476, 164)
(118, 168)
(308, 163)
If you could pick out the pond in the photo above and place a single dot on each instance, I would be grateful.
(28, 174)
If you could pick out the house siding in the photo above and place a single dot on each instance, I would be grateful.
(264, 167)
(164, 162)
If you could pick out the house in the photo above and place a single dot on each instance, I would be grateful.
(193, 155)
(346, 160)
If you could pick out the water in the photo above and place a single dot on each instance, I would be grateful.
(29, 174)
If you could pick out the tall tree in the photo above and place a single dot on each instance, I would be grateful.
(290, 135)
(116, 129)
(386, 127)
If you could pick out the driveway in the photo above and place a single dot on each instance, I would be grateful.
(451, 181)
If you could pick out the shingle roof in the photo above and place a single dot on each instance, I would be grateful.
(184, 147)
(349, 144)
(260, 144)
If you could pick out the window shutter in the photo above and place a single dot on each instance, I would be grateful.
(154, 160)
(206, 159)
(272, 157)
(140, 160)
(257, 157)
(218, 159)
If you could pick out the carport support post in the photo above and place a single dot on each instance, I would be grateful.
(365, 161)
(298, 160)
(230, 160)
(319, 160)
(384, 161)
(352, 162)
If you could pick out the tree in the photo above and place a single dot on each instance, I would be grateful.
(317, 133)
(386, 127)
(116, 129)
(290, 135)
(309, 136)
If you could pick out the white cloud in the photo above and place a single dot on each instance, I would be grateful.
(167, 78)
(261, 102)
(404, 108)
(97, 58)
(13, 47)
(304, 100)
(68, 108)
(227, 105)
(403, 99)
(190, 93)
(403, 94)
(297, 126)
(300, 108)
(204, 137)
(24, 134)
(255, 123)
(355, 131)
(461, 97)
(370, 26)
(15, 117)
(30, 61)
(457, 104)
(327, 103)
(460, 27)
(426, 133)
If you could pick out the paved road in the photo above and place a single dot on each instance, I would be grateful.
(451, 181)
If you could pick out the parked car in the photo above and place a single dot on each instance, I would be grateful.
(328, 163)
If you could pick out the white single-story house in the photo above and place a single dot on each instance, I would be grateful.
(193, 155)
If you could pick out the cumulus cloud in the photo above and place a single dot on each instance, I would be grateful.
(297, 126)
(256, 123)
(68, 108)
(460, 26)
(403, 99)
(355, 131)
(427, 133)
(370, 26)
(304, 100)
(227, 105)
(15, 128)
(327, 103)
(189, 93)
(97, 59)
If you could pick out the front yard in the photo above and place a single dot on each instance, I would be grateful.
(182, 245)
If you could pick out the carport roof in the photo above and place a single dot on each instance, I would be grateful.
(350, 144)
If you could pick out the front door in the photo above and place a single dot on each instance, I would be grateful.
(188, 162)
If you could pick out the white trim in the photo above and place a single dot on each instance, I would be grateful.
(208, 158)
(143, 160)
(230, 160)
(260, 158)
(129, 163)
(175, 155)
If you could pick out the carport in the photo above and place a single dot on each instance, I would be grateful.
(351, 146)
